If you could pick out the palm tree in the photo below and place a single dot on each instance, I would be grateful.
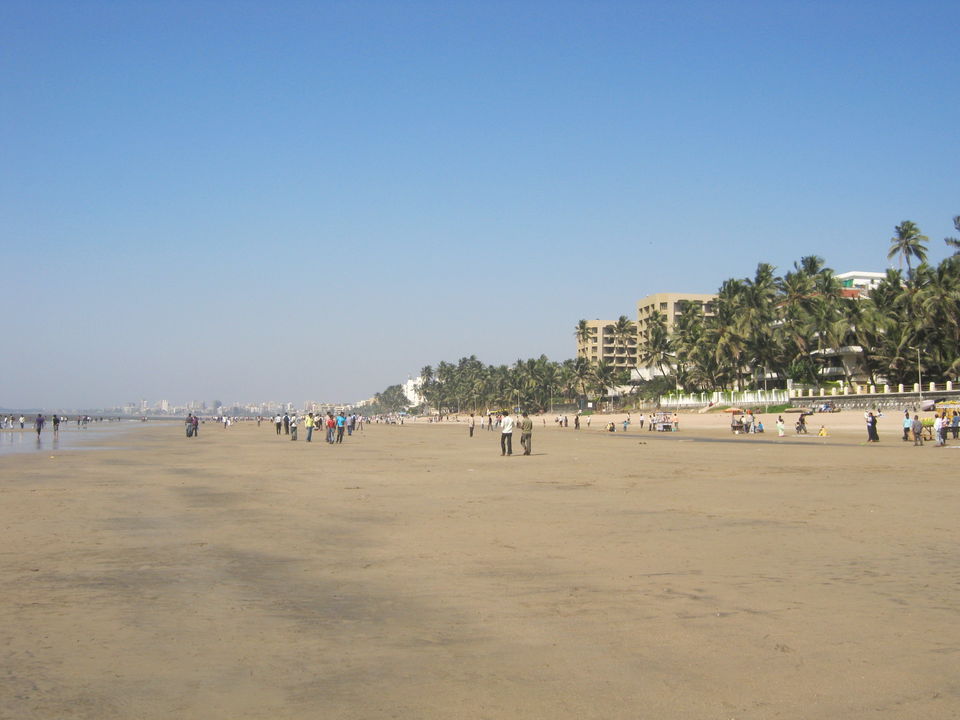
(657, 348)
(604, 377)
(688, 332)
(427, 385)
(952, 241)
(725, 333)
(584, 335)
(907, 243)
(625, 334)
(582, 372)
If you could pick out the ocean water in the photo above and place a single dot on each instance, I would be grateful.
(70, 437)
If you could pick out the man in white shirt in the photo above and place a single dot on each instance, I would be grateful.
(506, 435)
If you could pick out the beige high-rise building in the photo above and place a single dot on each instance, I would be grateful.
(604, 345)
(670, 305)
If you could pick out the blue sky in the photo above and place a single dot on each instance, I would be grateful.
(312, 200)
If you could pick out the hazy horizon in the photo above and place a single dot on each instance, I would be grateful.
(302, 201)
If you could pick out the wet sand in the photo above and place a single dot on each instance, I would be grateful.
(415, 573)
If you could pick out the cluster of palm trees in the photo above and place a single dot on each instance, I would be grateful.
(761, 332)
(469, 385)
(536, 384)
(767, 329)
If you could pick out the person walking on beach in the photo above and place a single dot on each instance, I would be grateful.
(907, 425)
(286, 423)
(341, 422)
(196, 425)
(872, 428)
(308, 423)
(955, 424)
(939, 432)
(506, 435)
(471, 424)
(56, 425)
(917, 428)
(278, 421)
(21, 422)
(526, 434)
(38, 423)
(781, 429)
(331, 424)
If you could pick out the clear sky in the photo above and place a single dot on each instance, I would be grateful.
(312, 200)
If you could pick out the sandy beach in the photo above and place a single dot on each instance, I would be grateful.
(414, 573)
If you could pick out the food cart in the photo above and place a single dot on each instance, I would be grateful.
(662, 422)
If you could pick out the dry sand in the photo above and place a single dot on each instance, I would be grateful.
(414, 573)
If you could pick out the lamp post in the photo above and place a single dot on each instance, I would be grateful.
(919, 374)
(919, 377)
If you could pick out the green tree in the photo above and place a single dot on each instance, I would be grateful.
(604, 376)
(907, 243)
(952, 241)
(657, 348)
(625, 336)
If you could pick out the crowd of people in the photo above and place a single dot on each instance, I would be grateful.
(14, 422)
(38, 423)
(335, 426)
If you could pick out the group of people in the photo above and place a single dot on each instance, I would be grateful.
(942, 425)
(506, 434)
(335, 425)
(11, 422)
(192, 425)
(913, 427)
(39, 423)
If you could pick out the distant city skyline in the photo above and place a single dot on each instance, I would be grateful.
(308, 200)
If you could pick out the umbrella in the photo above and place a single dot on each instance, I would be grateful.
(733, 410)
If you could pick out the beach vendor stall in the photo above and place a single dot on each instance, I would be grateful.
(663, 422)
(737, 424)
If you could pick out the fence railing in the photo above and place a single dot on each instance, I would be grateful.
(725, 397)
(777, 397)
(866, 389)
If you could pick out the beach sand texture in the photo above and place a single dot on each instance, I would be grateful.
(414, 573)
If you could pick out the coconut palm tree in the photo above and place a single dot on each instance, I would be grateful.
(657, 348)
(625, 337)
(952, 241)
(582, 372)
(604, 377)
(688, 336)
(584, 334)
(907, 243)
